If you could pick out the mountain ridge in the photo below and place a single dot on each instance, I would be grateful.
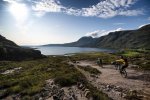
(11, 51)
(139, 38)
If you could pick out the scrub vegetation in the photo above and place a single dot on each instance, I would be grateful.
(31, 78)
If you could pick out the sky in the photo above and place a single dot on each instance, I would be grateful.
(38, 22)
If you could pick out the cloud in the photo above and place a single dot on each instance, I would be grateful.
(104, 9)
(131, 12)
(47, 6)
(11, 1)
(119, 23)
(143, 25)
(99, 33)
(18, 1)
(115, 30)
(96, 33)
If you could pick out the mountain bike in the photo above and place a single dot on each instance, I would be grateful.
(119, 67)
(123, 72)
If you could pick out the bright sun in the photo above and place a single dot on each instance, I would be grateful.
(19, 11)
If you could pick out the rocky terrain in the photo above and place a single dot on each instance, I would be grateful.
(135, 87)
(76, 77)
(51, 78)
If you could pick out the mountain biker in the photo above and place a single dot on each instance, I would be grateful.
(123, 61)
(100, 62)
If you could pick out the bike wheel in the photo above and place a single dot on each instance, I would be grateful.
(117, 67)
(124, 73)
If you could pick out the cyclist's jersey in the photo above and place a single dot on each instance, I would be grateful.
(121, 61)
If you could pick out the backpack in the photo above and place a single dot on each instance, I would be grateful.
(126, 61)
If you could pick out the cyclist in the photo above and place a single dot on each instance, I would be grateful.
(100, 62)
(123, 61)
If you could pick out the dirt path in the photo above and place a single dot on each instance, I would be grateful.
(112, 83)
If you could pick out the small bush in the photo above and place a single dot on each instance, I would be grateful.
(68, 79)
(33, 90)
(26, 98)
(25, 83)
(15, 89)
(64, 81)
(95, 93)
(145, 66)
(90, 69)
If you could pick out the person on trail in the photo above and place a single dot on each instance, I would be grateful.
(100, 62)
(122, 61)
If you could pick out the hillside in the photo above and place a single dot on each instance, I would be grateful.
(82, 42)
(11, 51)
(139, 38)
(5, 42)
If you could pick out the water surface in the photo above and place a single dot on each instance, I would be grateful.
(54, 50)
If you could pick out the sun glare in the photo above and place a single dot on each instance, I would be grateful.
(19, 11)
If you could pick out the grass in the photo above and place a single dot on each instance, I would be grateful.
(30, 79)
(90, 69)
(131, 54)
(138, 57)
(67, 77)
(106, 57)
(96, 94)
(33, 74)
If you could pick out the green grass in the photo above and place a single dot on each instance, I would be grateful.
(90, 69)
(137, 57)
(31, 79)
(145, 65)
(106, 57)
(134, 56)
(96, 94)
(131, 54)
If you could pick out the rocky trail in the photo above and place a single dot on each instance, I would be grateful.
(112, 83)
(66, 93)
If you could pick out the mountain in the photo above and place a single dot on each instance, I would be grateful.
(11, 51)
(82, 42)
(139, 38)
(5, 42)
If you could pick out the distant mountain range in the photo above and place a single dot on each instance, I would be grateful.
(139, 38)
(11, 51)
